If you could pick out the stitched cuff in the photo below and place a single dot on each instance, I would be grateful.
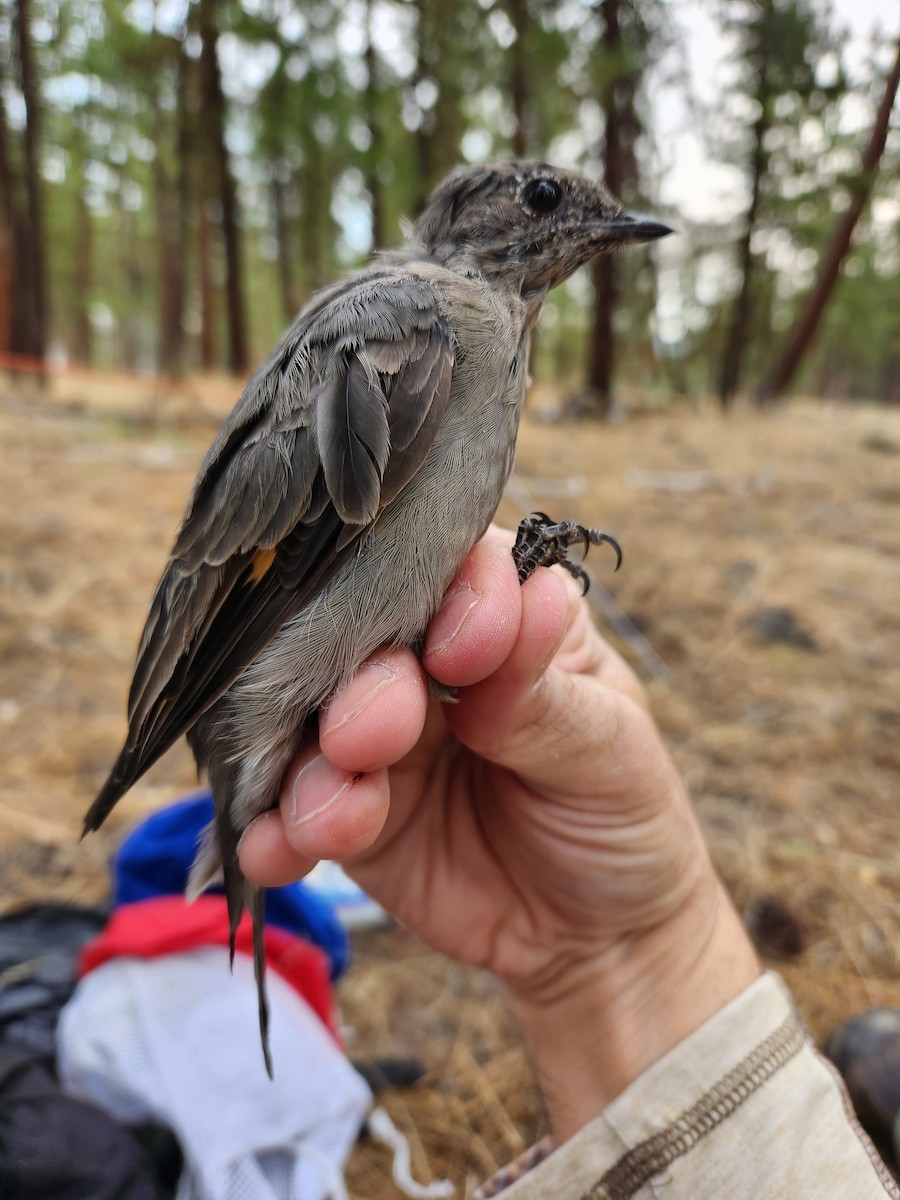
(744, 1107)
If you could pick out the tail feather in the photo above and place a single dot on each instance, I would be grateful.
(232, 876)
(238, 895)
(216, 855)
(256, 905)
(124, 775)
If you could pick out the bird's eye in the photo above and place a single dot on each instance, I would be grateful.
(543, 195)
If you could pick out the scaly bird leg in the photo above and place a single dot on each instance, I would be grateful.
(541, 542)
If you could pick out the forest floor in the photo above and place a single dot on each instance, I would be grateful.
(791, 748)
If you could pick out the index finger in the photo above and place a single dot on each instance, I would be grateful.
(475, 628)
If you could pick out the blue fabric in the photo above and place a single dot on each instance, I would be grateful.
(155, 859)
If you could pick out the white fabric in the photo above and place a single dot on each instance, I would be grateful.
(175, 1038)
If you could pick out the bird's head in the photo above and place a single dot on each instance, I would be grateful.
(525, 223)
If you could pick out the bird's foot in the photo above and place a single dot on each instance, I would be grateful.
(541, 542)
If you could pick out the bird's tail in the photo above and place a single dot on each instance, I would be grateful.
(127, 770)
(256, 906)
(216, 858)
(217, 862)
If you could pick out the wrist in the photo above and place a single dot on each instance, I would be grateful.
(612, 1015)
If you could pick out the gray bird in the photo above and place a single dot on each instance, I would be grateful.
(358, 468)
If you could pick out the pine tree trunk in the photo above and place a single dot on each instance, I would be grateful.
(184, 148)
(82, 331)
(517, 11)
(213, 102)
(7, 236)
(207, 288)
(424, 141)
(376, 135)
(603, 269)
(438, 135)
(284, 243)
(736, 339)
(132, 290)
(603, 343)
(737, 334)
(316, 232)
(7, 274)
(32, 250)
(169, 275)
(804, 331)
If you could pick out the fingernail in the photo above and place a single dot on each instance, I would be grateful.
(451, 617)
(317, 776)
(374, 677)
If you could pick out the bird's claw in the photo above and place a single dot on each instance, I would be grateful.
(541, 542)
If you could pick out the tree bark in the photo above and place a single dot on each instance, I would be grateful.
(603, 269)
(316, 228)
(603, 345)
(804, 331)
(169, 274)
(7, 234)
(16, 299)
(184, 151)
(376, 134)
(737, 333)
(284, 243)
(207, 288)
(32, 252)
(7, 270)
(439, 29)
(172, 188)
(423, 135)
(213, 101)
(82, 330)
(517, 11)
(732, 358)
(132, 284)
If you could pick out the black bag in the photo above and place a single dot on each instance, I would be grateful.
(39, 948)
(54, 1147)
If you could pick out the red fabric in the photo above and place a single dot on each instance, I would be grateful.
(169, 925)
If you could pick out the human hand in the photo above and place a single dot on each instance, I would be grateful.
(537, 828)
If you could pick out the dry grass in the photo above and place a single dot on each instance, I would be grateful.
(792, 756)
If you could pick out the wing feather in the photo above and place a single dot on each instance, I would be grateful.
(417, 406)
(327, 433)
(391, 356)
(353, 438)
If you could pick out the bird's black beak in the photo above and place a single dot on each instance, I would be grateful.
(635, 227)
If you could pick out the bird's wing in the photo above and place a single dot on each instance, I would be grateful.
(326, 434)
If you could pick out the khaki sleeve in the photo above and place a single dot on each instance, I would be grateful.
(743, 1109)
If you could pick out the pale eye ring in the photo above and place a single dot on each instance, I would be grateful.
(542, 195)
